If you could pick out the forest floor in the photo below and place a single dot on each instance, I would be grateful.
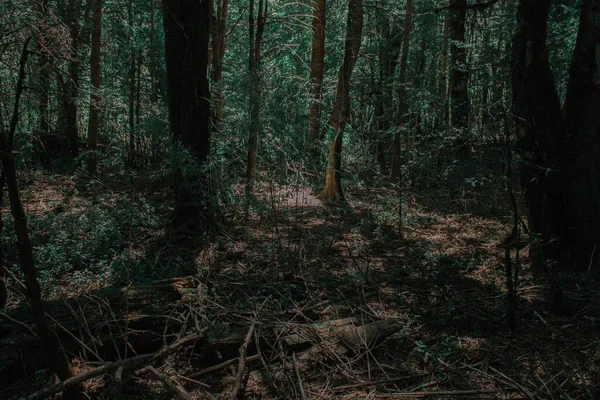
(288, 263)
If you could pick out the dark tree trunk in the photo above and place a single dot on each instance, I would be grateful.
(583, 124)
(95, 80)
(187, 36)
(72, 86)
(317, 67)
(389, 49)
(44, 77)
(341, 106)
(254, 87)
(402, 111)
(54, 351)
(459, 75)
(218, 54)
(540, 138)
(442, 118)
(152, 50)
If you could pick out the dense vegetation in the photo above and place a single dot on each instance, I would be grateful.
(299, 199)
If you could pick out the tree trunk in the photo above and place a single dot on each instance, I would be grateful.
(255, 92)
(72, 86)
(187, 36)
(402, 101)
(95, 80)
(55, 353)
(316, 71)
(389, 49)
(540, 138)
(132, 85)
(443, 108)
(218, 54)
(44, 77)
(459, 76)
(153, 73)
(583, 124)
(341, 106)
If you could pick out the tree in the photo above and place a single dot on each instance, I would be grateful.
(187, 35)
(317, 67)
(583, 125)
(459, 73)
(71, 87)
(254, 87)
(541, 136)
(44, 75)
(219, 33)
(402, 100)
(339, 115)
(55, 353)
(96, 80)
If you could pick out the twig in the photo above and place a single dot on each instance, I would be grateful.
(175, 388)
(451, 393)
(298, 377)
(375, 383)
(19, 323)
(222, 365)
(130, 363)
(242, 365)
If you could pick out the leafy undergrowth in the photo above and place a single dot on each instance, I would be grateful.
(289, 262)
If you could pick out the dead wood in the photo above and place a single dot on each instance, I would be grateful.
(127, 364)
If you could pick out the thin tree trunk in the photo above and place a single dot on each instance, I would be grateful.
(44, 77)
(443, 111)
(153, 73)
(218, 54)
(317, 67)
(459, 76)
(132, 86)
(402, 100)
(54, 351)
(583, 123)
(255, 92)
(339, 115)
(72, 86)
(95, 78)
(389, 49)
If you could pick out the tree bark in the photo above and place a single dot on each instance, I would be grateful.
(341, 106)
(44, 76)
(95, 80)
(72, 86)
(540, 139)
(54, 351)
(402, 100)
(317, 66)
(187, 36)
(459, 75)
(218, 54)
(255, 92)
(583, 127)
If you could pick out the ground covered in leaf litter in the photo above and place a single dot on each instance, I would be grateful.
(285, 265)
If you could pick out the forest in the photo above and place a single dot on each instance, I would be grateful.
(299, 199)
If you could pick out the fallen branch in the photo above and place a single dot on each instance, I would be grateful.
(129, 363)
(242, 365)
(222, 365)
(298, 377)
(382, 382)
(174, 388)
(450, 393)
